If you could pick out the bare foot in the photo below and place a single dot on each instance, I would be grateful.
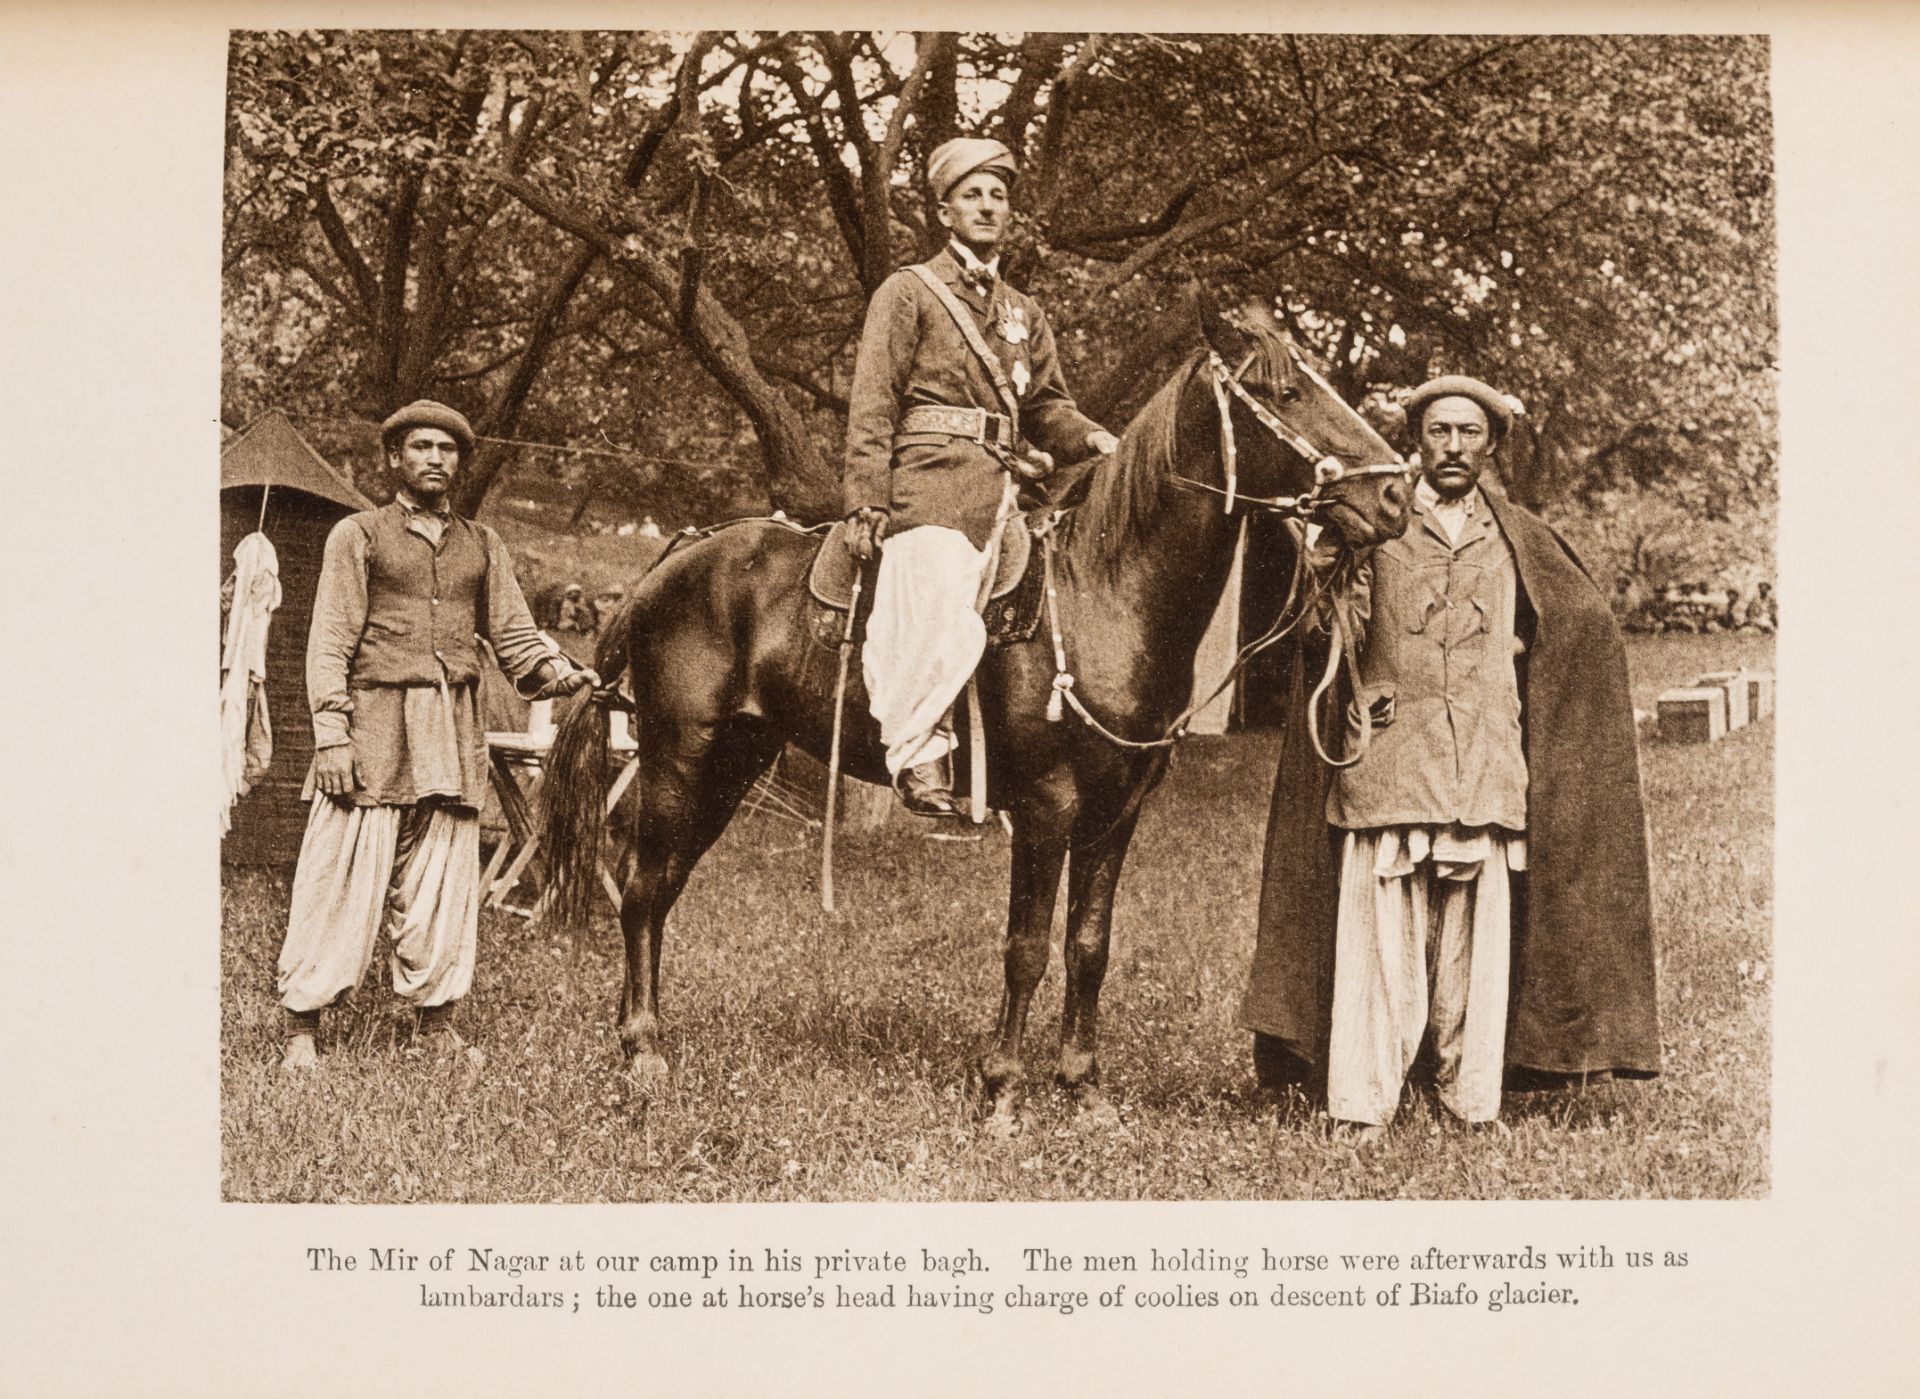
(300, 1054)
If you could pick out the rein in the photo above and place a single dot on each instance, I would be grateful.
(1063, 688)
(1342, 645)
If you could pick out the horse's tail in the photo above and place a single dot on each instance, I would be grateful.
(574, 809)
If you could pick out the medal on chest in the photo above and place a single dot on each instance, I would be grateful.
(1011, 322)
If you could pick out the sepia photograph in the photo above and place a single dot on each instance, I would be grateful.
(963, 616)
(1137, 700)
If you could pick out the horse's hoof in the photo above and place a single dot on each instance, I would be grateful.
(1097, 1110)
(1001, 1125)
(648, 1071)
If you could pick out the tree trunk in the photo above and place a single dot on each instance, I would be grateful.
(799, 481)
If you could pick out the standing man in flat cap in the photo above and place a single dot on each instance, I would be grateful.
(1480, 874)
(956, 375)
(399, 768)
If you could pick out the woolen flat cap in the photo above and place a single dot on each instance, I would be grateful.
(1498, 406)
(953, 161)
(424, 412)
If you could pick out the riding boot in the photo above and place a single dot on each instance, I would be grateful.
(925, 790)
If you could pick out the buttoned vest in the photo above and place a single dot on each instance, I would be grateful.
(423, 603)
(1439, 658)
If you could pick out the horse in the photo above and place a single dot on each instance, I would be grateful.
(724, 672)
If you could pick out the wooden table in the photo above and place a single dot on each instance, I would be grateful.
(510, 758)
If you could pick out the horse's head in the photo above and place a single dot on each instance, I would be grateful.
(1289, 433)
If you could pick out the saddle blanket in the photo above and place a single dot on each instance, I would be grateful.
(1013, 605)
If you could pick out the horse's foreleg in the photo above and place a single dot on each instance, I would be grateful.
(1093, 873)
(1035, 887)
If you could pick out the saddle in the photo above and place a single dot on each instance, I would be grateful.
(1013, 605)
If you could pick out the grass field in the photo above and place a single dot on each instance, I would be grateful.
(823, 1058)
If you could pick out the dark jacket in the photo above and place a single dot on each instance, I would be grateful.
(912, 353)
(1583, 998)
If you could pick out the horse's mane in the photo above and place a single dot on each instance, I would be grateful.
(1125, 493)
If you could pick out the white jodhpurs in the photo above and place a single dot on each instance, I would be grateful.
(923, 639)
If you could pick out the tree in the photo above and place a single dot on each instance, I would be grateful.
(668, 241)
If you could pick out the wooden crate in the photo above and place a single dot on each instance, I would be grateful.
(1734, 682)
(1759, 694)
(1693, 714)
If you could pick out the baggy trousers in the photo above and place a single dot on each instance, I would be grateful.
(923, 640)
(1421, 942)
(414, 870)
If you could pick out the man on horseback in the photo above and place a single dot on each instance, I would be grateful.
(399, 767)
(1502, 740)
(956, 373)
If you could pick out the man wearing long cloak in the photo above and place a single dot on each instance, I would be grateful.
(1580, 963)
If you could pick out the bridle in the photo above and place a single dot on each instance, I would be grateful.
(1328, 469)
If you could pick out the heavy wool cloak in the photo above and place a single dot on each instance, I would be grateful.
(1583, 996)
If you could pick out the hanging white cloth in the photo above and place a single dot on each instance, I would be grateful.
(246, 735)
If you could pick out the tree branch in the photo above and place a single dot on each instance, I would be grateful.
(504, 412)
(839, 55)
(1153, 225)
(334, 229)
(1040, 56)
(822, 396)
(692, 254)
(461, 376)
(1053, 136)
(842, 197)
(1306, 88)
(1220, 218)
(321, 280)
(798, 476)
(877, 170)
(391, 306)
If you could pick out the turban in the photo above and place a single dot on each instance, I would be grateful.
(953, 161)
(1499, 408)
(424, 412)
